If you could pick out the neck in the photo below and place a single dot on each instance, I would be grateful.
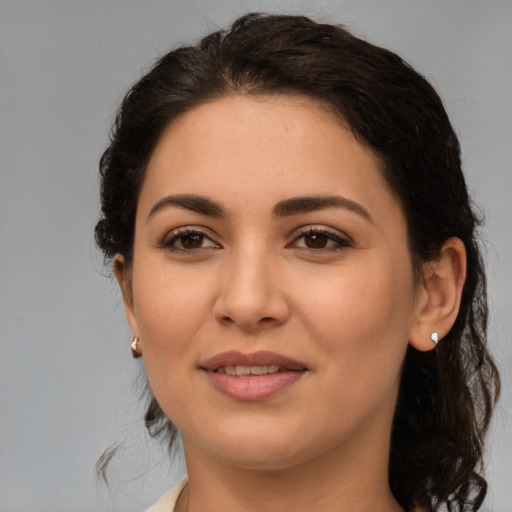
(343, 479)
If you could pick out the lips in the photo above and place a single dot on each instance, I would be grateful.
(240, 370)
(235, 358)
(252, 377)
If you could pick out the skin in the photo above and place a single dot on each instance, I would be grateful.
(343, 300)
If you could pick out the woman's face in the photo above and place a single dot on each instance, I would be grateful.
(271, 285)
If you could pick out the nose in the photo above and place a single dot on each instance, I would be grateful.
(252, 293)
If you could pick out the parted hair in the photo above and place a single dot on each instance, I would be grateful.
(446, 395)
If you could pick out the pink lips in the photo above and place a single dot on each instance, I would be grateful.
(253, 387)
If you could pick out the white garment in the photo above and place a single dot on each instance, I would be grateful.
(167, 502)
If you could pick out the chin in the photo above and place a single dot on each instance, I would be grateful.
(271, 451)
(263, 460)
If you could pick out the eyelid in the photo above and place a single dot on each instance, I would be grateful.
(334, 234)
(174, 234)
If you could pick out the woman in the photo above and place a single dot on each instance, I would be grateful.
(288, 221)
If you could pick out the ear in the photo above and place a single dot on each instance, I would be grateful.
(123, 273)
(439, 295)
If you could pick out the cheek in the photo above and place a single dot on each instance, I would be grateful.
(361, 309)
(361, 323)
(170, 308)
(169, 312)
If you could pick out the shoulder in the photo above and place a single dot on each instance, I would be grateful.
(167, 502)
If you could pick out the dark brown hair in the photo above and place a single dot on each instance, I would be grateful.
(447, 395)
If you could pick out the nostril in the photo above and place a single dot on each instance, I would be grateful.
(251, 308)
(250, 324)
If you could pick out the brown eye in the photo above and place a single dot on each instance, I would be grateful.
(192, 241)
(316, 241)
(187, 239)
(321, 240)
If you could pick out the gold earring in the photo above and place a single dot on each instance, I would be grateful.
(434, 338)
(135, 347)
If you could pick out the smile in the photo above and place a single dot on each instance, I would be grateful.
(240, 370)
(252, 377)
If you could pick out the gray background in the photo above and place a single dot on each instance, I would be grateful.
(67, 382)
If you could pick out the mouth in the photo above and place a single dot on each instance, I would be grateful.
(258, 363)
(244, 371)
(252, 377)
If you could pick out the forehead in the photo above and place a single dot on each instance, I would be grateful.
(239, 148)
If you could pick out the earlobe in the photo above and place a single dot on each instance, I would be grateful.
(123, 273)
(440, 295)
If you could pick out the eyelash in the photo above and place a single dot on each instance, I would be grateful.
(331, 236)
(169, 241)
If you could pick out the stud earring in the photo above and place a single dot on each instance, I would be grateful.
(434, 338)
(135, 347)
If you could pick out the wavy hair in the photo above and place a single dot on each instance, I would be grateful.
(447, 395)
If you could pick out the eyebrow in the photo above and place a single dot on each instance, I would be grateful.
(296, 205)
(288, 207)
(193, 202)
